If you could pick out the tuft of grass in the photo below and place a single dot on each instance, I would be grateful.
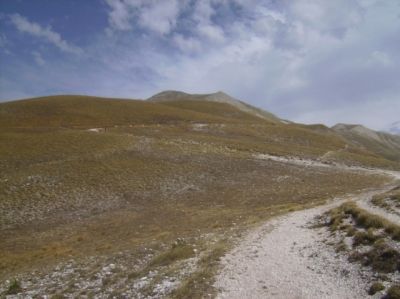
(200, 282)
(381, 258)
(365, 238)
(368, 220)
(178, 251)
(341, 246)
(14, 288)
(375, 288)
(393, 292)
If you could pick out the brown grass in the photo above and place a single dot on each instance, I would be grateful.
(66, 193)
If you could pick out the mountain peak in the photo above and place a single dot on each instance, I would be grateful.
(219, 97)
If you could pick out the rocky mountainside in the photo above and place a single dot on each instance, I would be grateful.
(384, 144)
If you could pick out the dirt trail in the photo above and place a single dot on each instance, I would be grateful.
(286, 258)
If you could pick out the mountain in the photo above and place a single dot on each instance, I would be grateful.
(87, 111)
(124, 196)
(384, 144)
(172, 97)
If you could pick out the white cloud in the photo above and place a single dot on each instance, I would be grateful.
(38, 58)
(379, 58)
(332, 17)
(211, 32)
(24, 25)
(158, 16)
(119, 16)
(187, 44)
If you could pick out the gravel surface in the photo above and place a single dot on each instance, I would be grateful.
(288, 258)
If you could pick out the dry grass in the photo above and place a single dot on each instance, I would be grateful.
(389, 201)
(177, 252)
(375, 288)
(66, 193)
(13, 288)
(201, 281)
(373, 234)
(363, 219)
(393, 292)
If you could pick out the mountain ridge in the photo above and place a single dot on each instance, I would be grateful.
(382, 143)
(219, 97)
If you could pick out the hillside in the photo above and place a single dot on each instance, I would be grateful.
(85, 111)
(384, 144)
(177, 98)
(109, 197)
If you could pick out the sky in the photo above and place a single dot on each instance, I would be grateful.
(310, 61)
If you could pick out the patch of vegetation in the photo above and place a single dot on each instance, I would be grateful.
(341, 246)
(381, 258)
(393, 292)
(200, 282)
(363, 219)
(375, 288)
(14, 288)
(147, 177)
(372, 232)
(365, 237)
(389, 201)
(178, 251)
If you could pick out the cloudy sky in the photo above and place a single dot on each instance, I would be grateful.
(313, 61)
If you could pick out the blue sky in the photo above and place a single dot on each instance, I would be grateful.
(312, 61)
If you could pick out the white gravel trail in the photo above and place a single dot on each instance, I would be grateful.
(285, 258)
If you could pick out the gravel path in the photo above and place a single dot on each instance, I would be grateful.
(285, 258)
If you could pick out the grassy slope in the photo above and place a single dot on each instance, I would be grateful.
(83, 111)
(69, 193)
(167, 97)
(383, 144)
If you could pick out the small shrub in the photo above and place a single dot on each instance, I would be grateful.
(364, 238)
(383, 258)
(375, 288)
(14, 288)
(350, 231)
(341, 247)
(393, 292)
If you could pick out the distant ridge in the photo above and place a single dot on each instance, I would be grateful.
(385, 144)
(394, 128)
(219, 97)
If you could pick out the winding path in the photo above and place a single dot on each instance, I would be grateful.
(285, 258)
